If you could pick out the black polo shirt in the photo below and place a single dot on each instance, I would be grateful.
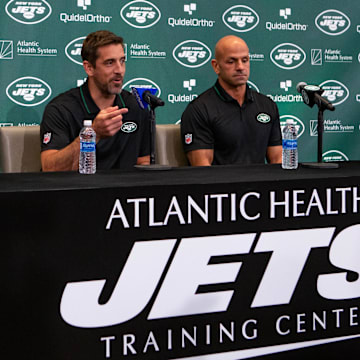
(63, 119)
(237, 134)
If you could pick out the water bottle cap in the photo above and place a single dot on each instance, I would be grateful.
(87, 122)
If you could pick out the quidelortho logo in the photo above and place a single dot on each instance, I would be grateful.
(84, 18)
(83, 4)
(286, 85)
(189, 8)
(73, 50)
(6, 50)
(193, 21)
(286, 98)
(331, 126)
(240, 18)
(140, 14)
(28, 91)
(334, 155)
(28, 12)
(335, 91)
(142, 83)
(287, 56)
(192, 53)
(332, 22)
(285, 26)
(300, 127)
(285, 13)
(189, 85)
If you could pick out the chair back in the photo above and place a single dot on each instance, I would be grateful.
(20, 149)
(168, 146)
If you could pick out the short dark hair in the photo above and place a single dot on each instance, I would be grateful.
(95, 40)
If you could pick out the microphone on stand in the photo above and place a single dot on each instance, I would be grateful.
(152, 100)
(311, 95)
(146, 96)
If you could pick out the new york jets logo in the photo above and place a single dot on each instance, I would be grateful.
(263, 118)
(140, 14)
(142, 83)
(73, 50)
(240, 18)
(28, 91)
(253, 86)
(192, 53)
(128, 127)
(332, 22)
(287, 56)
(335, 91)
(28, 12)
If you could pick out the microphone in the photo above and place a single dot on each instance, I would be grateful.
(151, 99)
(146, 96)
(311, 95)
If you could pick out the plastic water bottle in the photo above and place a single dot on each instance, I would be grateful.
(289, 146)
(87, 160)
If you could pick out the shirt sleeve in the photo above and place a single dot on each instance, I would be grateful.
(196, 130)
(54, 131)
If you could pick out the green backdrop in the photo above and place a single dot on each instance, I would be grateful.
(169, 45)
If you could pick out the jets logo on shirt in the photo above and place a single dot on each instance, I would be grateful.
(47, 138)
(188, 139)
(263, 118)
(129, 127)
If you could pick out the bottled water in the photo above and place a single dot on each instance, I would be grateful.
(289, 146)
(87, 160)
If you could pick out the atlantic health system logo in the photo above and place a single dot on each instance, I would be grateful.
(6, 50)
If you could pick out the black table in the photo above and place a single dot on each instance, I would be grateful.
(227, 262)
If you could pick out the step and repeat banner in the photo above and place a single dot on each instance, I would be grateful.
(169, 46)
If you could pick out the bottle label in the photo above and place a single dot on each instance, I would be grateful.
(87, 146)
(289, 144)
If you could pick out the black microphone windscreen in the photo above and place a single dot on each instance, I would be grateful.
(300, 85)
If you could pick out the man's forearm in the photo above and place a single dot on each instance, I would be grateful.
(66, 159)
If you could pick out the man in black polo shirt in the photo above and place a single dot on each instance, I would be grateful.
(121, 126)
(230, 123)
